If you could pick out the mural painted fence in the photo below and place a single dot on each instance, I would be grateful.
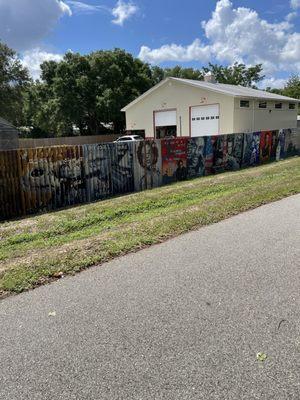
(48, 178)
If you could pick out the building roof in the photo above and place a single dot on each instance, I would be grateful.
(6, 126)
(8, 135)
(229, 90)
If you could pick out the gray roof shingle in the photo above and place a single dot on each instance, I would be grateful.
(229, 90)
(235, 90)
(8, 135)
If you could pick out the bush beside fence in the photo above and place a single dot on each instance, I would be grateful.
(48, 178)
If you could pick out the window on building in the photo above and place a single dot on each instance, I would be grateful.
(278, 105)
(244, 103)
(292, 106)
(262, 104)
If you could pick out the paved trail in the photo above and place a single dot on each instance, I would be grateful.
(181, 320)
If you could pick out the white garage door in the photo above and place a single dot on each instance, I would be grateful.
(165, 118)
(205, 120)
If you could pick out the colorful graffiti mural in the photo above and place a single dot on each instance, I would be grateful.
(174, 160)
(48, 178)
(108, 169)
(122, 168)
(219, 144)
(215, 154)
(51, 177)
(208, 154)
(195, 157)
(280, 145)
(265, 146)
(274, 145)
(251, 149)
(147, 165)
(234, 152)
(291, 145)
(97, 171)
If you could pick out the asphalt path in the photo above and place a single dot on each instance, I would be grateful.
(181, 320)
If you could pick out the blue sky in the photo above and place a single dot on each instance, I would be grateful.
(162, 32)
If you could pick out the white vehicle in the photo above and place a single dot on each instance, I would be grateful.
(129, 138)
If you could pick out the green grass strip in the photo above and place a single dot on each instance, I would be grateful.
(35, 249)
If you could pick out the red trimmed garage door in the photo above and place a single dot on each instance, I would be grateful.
(205, 120)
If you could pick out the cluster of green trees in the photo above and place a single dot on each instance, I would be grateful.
(14, 80)
(291, 88)
(83, 94)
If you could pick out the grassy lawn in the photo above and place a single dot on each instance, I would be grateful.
(36, 249)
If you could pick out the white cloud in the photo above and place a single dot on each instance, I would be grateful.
(291, 16)
(123, 11)
(272, 83)
(83, 8)
(238, 34)
(174, 52)
(295, 4)
(32, 59)
(23, 23)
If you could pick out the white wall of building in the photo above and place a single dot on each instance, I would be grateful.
(174, 95)
(255, 119)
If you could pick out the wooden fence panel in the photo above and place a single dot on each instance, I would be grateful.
(51, 177)
(147, 164)
(10, 198)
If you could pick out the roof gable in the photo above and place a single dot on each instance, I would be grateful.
(142, 96)
(7, 128)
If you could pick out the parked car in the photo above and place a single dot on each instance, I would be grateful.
(129, 138)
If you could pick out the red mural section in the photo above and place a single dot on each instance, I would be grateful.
(174, 159)
(265, 146)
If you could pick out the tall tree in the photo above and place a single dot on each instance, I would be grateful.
(118, 78)
(237, 74)
(87, 92)
(13, 79)
(158, 74)
(184, 73)
(292, 87)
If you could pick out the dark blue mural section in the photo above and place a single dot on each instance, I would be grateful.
(251, 149)
(43, 179)
(234, 152)
(196, 157)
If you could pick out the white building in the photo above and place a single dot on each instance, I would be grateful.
(183, 107)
